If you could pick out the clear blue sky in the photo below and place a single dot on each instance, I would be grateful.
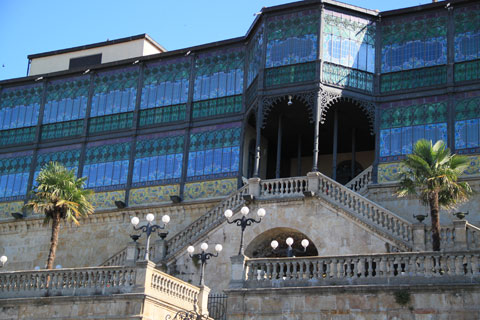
(35, 26)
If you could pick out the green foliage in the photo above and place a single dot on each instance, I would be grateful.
(402, 297)
(432, 169)
(59, 191)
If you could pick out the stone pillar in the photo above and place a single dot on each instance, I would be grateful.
(460, 234)
(203, 300)
(160, 250)
(312, 178)
(143, 276)
(254, 186)
(238, 271)
(418, 237)
(131, 256)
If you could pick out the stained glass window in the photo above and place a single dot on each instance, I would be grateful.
(467, 119)
(414, 43)
(165, 92)
(14, 173)
(106, 164)
(255, 54)
(292, 38)
(349, 41)
(19, 110)
(69, 156)
(404, 123)
(114, 93)
(65, 108)
(219, 74)
(467, 33)
(158, 159)
(214, 152)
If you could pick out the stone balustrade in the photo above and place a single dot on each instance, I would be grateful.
(205, 223)
(366, 211)
(294, 186)
(374, 269)
(142, 278)
(67, 282)
(360, 182)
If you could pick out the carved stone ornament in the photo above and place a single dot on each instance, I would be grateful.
(308, 98)
(329, 97)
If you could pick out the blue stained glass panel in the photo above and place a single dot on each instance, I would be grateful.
(217, 160)
(10, 182)
(430, 132)
(3, 186)
(170, 165)
(396, 138)
(117, 168)
(385, 142)
(100, 174)
(144, 170)
(208, 162)
(460, 135)
(161, 167)
(107, 178)
(418, 133)
(235, 159)
(136, 170)
(199, 163)
(177, 172)
(152, 168)
(442, 132)
(472, 133)
(407, 140)
(191, 163)
(226, 159)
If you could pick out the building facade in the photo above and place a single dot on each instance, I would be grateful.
(314, 86)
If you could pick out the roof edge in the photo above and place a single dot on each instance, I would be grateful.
(98, 44)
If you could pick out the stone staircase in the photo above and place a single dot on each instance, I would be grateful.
(346, 199)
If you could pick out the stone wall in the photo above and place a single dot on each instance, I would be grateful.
(406, 207)
(359, 302)
(97, 238)
(330, 232)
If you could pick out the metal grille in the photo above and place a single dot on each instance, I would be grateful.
(217, 306)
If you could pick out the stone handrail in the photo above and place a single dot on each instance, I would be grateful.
(379, 269)
(118, 259)
(473, 236)
(210, 220)
(294, 186)
(168, 288)
(367, 211)
(447, 238)
(67, 282)
(361, 181)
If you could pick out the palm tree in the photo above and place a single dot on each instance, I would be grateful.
(431, 172)
(59, 195)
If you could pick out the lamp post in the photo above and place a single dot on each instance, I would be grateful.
(149, 228)
(243, 222)
(290, 250)
(203, 257)
(3, 260)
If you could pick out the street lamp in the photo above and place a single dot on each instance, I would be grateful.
(290, 250)
(243, 222)
(203, 257)
(149, 228)
(3, 260)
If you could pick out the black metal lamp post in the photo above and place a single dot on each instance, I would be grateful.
(149, 228)
(3, 260)
(243, 222)
(203, 257)
(290, 250)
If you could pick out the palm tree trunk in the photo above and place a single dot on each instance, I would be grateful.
(434, 214)
(53, 239)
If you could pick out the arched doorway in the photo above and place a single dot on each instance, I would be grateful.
(260, 246)
(287, 134)
(347, 143)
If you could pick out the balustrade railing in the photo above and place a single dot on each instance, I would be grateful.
(360, 182)
(294, 186)
(366, 210)
(473, 237)
(67, 282)
(447, 238)
(205, 223)
(175, 291)
(380, 269)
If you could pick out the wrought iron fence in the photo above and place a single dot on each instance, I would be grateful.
(217, 306)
